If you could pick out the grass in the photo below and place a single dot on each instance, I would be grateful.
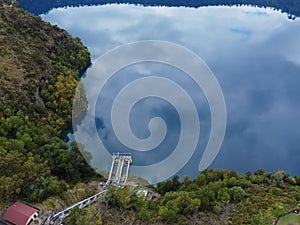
(291, 219)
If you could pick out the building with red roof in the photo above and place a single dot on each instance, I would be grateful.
(20, 214)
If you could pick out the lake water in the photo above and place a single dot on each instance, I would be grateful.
(254, 54)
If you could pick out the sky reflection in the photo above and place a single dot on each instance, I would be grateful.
(254, 53)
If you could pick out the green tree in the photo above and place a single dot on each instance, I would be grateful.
(86, 216)
(259, 172)
(201, 179)
(44, 187)
(169, 211)
(237, 193)
(144, 214)
(207, 198)
(224, 195)
(17, 172)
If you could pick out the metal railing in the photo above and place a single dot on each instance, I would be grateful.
(59, 216)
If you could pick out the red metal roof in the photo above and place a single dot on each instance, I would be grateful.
(19, 213)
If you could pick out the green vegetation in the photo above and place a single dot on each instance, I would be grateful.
(290, 219)
(39, 69)
(214, 197)
(69, 197)
(292, 7)
(80, 216)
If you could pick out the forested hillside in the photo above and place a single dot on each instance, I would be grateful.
(215, 197)
(39, 71)
(40, 66)
(37, 7)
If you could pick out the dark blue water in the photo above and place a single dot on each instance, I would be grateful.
(254, 54)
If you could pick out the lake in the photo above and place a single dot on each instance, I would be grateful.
(254, 54)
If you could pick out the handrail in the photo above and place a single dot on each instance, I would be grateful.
(65, 212)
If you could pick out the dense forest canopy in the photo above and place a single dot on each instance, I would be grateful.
(39, 71)
(215, 197)
(292, 7)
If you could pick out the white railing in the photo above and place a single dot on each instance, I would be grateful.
(57, 217)
(116, 178)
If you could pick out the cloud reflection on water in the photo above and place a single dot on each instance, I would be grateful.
(254, 53)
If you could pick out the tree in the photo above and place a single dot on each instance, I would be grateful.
(237, 193)
(44, 187)
(207, 198)
(259, 172)
(144, 214)
(224, 195)
(297, 179)
(123, 196)
(275, 190)
(87, 216)
(169, 211)
(120, 197)
(18, 172)
(169, 185)
(249, 174)
(201, 179)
